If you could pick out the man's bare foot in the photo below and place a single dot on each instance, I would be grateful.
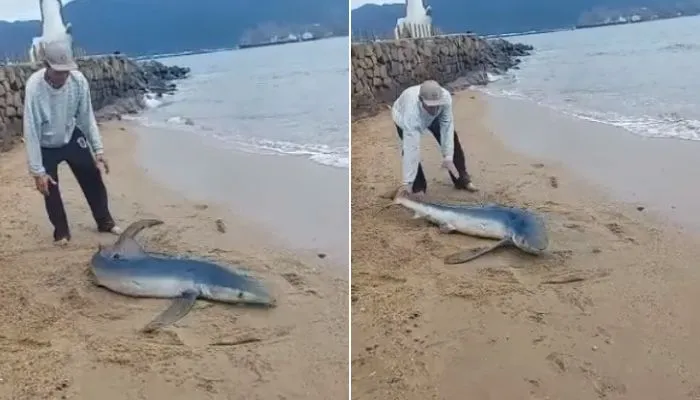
(465, 184)
(61, 242)
(418, 195)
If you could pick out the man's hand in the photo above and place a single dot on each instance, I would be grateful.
(100, 159)
(42, 183)
(450, 166)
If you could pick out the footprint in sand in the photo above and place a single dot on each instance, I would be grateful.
(298, 282)
(499, 275)
(553, 182)
(576, 298)
(615, 228)
(163, 337)
(556, 361)
(575, 227)
(618, 231)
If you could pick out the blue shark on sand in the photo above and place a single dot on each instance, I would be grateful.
(127, 269)
(511, 226)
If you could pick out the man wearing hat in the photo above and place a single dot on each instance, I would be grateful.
(59, 125)
(428, 106)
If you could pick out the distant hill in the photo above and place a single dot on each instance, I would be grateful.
(508, 16)
(138, 27)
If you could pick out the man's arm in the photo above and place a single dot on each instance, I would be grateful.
(85, 117)
(411, 155)
(447, 128)
(32, 126)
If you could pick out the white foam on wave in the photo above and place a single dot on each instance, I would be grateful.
(318, 153)
(151, 101)
(662, 126)
(494, 77)
(655, 127)
(180, 121)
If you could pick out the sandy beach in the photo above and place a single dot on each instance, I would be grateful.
(297, 202)
(606, 314)
(62, 337)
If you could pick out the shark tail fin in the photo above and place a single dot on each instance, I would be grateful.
(135, 228)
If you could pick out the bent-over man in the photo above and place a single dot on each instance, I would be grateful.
(428, 106)
(59, 125)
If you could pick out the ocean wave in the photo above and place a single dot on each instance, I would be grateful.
(669, 125)
(152, 100)
(319, 153)
(654, 127)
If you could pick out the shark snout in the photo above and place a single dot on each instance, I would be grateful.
(534, 243)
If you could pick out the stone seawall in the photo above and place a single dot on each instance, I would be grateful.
(381, 70)
(116, 84)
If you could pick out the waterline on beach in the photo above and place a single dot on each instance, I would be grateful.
(301, 203)
(646, 172)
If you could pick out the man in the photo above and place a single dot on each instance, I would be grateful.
(428, 106)
(59, 125)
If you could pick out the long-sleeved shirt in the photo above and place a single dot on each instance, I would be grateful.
(409, 115)
(51, 115)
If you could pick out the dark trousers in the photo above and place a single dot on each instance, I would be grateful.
(79, 157)
(461, 181)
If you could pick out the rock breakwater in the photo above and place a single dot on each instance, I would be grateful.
(117, 86)
(381, 70)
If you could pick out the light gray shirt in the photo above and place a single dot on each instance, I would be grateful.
(51, 115)
(411, 117)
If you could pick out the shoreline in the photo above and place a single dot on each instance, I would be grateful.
(640, 171)
(623, 331)
(77, 337)
(298, 211)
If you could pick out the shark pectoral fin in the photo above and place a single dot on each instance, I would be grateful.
(177, 310)
(446, 228)
(417, 215)
(462, 257)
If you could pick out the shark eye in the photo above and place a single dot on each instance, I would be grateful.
(116, 256)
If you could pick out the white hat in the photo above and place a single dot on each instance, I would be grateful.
(432, 94)
(59, 55)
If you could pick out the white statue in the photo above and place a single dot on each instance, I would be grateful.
(52, 27)
(418, 21)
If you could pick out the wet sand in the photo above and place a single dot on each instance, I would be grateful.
(653, 173)
(304, 205)
(606, 314)
(62, 337)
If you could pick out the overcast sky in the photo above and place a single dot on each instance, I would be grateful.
(13, 10)
(358, 3)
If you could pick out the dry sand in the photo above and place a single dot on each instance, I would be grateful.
(493, 328)
(61, 337)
